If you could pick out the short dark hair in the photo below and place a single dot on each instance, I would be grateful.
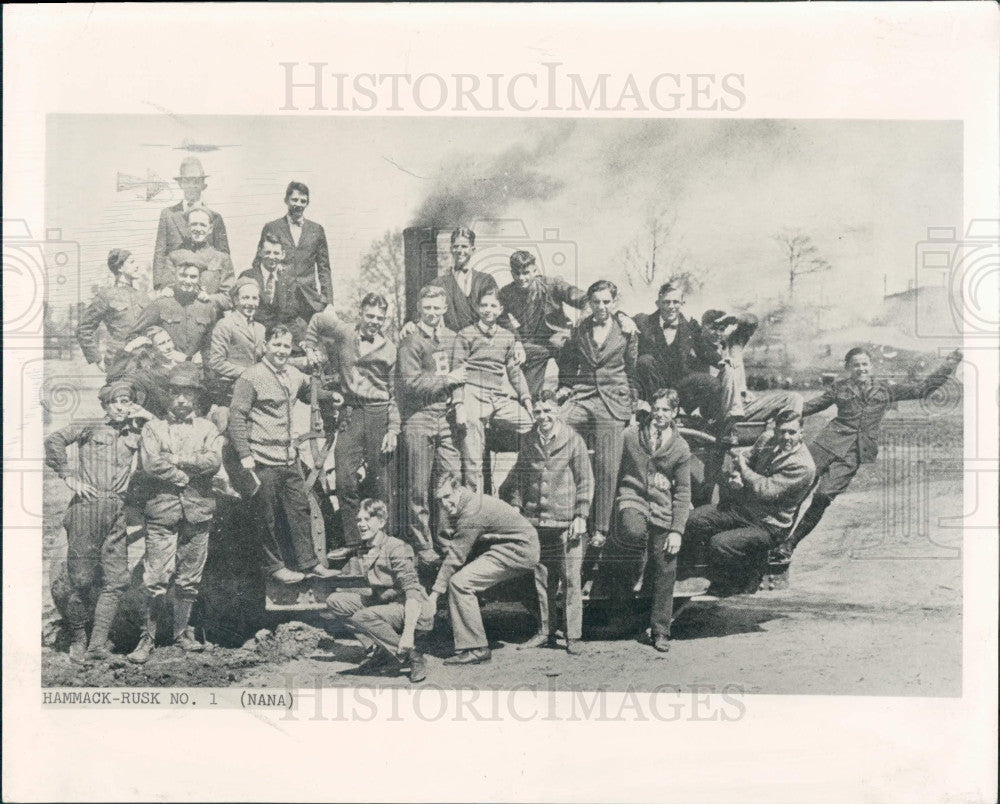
(275, 330)
(296, 187)
(788, 416)
(669, 394)
(520, 261)
(488, 292)
(857, 350)
(669, 287)
(375, 508)
(466, 232)
(272, 239)
(374, 300)
(603, 284)
(547, 395)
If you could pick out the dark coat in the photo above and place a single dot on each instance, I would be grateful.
(305, 262)
(860, 410)
(606, 371)
(463, 311)
(691, 351)
(284, 308)
(172, 234)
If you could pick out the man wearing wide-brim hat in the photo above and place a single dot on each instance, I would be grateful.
(180, 454)
(173, 231)
(95, 517)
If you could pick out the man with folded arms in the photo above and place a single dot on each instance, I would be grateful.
(506, 545)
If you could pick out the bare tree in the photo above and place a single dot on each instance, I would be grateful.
(382, 272)
(802, 256)
(656, 256)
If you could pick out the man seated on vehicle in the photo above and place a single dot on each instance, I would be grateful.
(654, 495)
(384, 620)
(488, 352)
(533, 310)
(552, 485)
(260, 428)
(767, 484)
(506, 545)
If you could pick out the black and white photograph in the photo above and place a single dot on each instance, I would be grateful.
(529, 402)
(623, 403)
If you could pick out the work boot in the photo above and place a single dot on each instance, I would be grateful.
(418, 667)
(104, 615)
(183, 634)
(78, 647)
(148, 639)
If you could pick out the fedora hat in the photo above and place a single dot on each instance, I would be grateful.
(191, 169)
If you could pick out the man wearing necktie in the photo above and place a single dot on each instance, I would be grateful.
(180, 455)
(674, 353)
(306, 253)
(361, 361)
(278, 296)
(654, 495)
(766, 487)
(463, 285)
(172, 231)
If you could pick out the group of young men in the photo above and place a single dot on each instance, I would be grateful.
(601, 465)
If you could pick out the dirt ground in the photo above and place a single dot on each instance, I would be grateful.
(874, 607)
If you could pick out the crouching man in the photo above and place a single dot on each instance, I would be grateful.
(95, 518)
(552, 484)
(766, 487)
(180, 454)
(386, 620)
(507, 545)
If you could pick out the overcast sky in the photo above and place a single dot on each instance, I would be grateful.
(864, 191)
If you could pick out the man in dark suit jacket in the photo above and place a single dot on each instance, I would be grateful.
(306, 253)
(172, 232)
(597, 366)
(463, 286)
(674, 353)
(278, 304)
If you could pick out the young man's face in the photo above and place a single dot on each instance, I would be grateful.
(164, 344)
(192, 187)
(602, 304)
(545, 415)
(130, 269)
(296, 203)
(372, 320)
(369, 526)
(489, 310)
(525, 275)
(432, 311)
(449, 497)
(789, 434)
(199, 226)
(271, 255)
(664, 413)
(461, 251)
(118, 406)
(279, 349)
(182, 402)
(188, 277)
(248, 300)
(860, 367)
(669, 304)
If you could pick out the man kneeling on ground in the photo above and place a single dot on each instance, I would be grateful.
(386, 620)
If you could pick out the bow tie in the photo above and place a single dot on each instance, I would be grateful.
(461, 270)
(367, 338)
